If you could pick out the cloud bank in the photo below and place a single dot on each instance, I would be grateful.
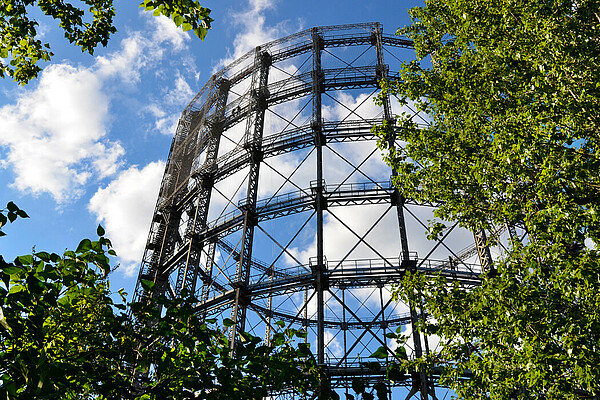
(56, 137)
(125, 208)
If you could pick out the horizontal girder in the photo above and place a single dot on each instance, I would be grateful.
(295, 49)
(303, 200)
(293, 203)
(353, 274)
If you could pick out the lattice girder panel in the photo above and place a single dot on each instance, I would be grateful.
(276, 206)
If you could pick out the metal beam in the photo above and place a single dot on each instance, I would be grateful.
(319, 268)
(253, 144)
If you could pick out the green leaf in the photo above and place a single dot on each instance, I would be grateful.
(42, 255)
(201, 32)
(70, 254)
(228, 323)
(11, 388)
(11, 269)
(186, 26)
(22, 214)
(12, 207)
(100, 230)
(16, 289)
(302, 334)
(401, 353)
(25, 260)
(64, 301)
(147, 285)
(304, 349)
(280, 324)
(381, 352)
(84, 245)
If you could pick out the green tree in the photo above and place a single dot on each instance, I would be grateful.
(191, 359)
(86, 24)
(62, 336)
(60, 333)
(511, 90)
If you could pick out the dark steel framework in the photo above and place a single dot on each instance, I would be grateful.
(255, 251)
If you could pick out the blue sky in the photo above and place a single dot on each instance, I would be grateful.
(86, 143)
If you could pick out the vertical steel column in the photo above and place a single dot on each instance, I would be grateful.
(271, 272)
(254, 132)
(188, 272)
(154, 244)
(485, 257)
(381, 71)
(163, 243)
(305, 314)
(208, 271)
(320, 205)
(419, 380)
(173, 217)
(345, 328)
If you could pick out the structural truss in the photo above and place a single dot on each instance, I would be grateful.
(275, 205)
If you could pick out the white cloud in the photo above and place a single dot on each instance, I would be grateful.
(254, 32)
(125, 209)
(333, 344)
(127, 62)
(55, 134)
(163, 122)
(179, 93)
(110, 163)
(165, 30)
(139, 50)
(183, 90)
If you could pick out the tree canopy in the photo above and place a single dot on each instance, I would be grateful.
(86, 24)
(511, 90)
(62, 336)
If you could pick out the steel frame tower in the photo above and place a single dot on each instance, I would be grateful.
(272, 175)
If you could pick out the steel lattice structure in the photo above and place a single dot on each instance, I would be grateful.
(275, 204)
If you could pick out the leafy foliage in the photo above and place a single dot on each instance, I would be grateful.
(10, 214)
(189, 358)
(86, 27)
(511, 90)
(62, 336)
(188, 14)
